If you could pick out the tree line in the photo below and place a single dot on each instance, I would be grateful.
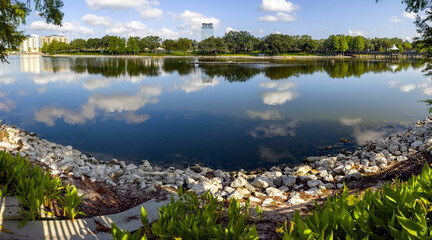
(236, 42)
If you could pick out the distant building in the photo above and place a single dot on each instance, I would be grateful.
(207, 31)
(30, 44)
(49, 39)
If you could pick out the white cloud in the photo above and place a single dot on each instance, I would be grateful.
(196, 81)
(229, 29)
(408, 88)
(362, 137)
(193, 21)
(394, 19)
(410, 15)
(115, 103)
(427, 91)
(268, 18)
(277, 6)
(350, 121)
(356, 32)
(68, 77)
(267, 115)
(49, 114)
(42, 90)
(268, 155)
(67, 27)
(147, 13)
(131, 117)
(279, 17)
(270, 130)
(286, 91)
(7, 80)
(126, 102)
(392, 84)
(94, 20)
(95, 83)
(278, 98)
(285, 17)
(137, 28)
(7, 105)
(119, 4)
(279, 85)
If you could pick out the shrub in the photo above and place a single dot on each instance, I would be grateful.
(33, 186)
(193, 217)
(398, 211)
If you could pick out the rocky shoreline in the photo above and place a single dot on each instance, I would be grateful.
(280, 185)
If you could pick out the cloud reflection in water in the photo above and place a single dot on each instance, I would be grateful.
(121, 103)
(361, 136)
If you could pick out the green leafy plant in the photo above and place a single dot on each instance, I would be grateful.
(119, 234)
(399, 211)
(70, 201)
(196, 217)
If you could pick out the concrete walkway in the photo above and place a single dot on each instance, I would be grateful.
(80, 228)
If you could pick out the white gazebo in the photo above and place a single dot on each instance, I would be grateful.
(394, 48)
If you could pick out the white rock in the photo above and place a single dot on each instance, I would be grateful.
(66, 168)
(131, 167)
(236, 195)
(229, 189)
(267, 202)
(244, 192)
(204, 186)
(253, 199)
(339, 169)
(401, 158)
(416, 144)
(302, 170)
(261, 182)
(219, 173)
(274, 192)
(328, 178)
(143, 185)
(308, 177)
(289, 180)
(295, 199)
(313, 191)
(145, 163)
(111, 183)
(284, 188)
(238, 182)
(314, 183)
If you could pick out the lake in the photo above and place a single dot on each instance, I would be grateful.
(174, 113)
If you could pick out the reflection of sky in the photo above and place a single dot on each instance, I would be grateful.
(258, 122)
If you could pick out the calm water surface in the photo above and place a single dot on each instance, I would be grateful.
(173, 113)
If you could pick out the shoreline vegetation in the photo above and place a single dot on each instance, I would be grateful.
(283, 187)
(236, 56)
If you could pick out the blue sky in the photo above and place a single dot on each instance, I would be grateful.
(183, 18)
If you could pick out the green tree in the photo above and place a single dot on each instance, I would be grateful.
(343, 45)
(169, 44)
(132, 45)
(400, 48)
(93, 43)
(45, 48)
(183, 44)
(14, 13)
(381, 49)
(334, 43)
(113, 45)
(78, 44)
(358, 44)
(152, 42)
(407, 46)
